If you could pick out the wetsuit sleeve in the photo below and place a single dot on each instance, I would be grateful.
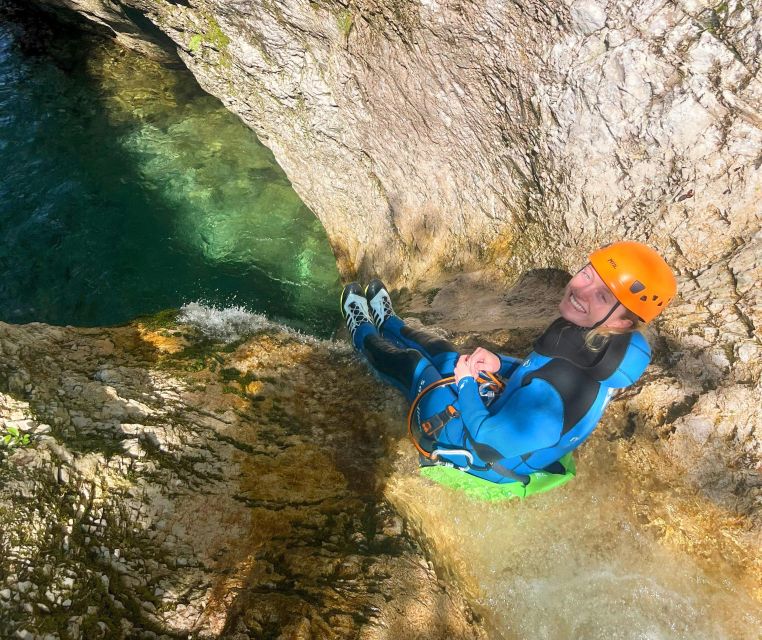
(507, 365)
(531, 419)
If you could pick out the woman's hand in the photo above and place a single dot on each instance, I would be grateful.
(483, 360)
(480, 360)
(462, 368)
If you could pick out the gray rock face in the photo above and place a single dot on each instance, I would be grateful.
(188, 487)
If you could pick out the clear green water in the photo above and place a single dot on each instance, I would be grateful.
(125, 190)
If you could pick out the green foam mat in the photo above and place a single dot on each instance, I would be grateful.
(479, 489)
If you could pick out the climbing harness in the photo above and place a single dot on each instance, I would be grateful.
(490, 387)
(436, 465)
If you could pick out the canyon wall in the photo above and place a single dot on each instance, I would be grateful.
(438, 136)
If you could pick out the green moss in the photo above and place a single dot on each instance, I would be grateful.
(166, 319)
(195, 43)
(216, 36)
(345, 20)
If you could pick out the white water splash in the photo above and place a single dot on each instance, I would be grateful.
(229, 324)
(226, 324)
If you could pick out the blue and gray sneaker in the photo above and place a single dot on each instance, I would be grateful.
(354, 307)
(379, 302)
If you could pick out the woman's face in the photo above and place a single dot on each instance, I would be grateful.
(587, 300)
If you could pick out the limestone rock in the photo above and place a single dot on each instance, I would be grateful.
(218, 513)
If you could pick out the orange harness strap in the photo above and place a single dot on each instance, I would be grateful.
(483, 377)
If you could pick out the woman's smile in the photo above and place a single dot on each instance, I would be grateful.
(576, 303)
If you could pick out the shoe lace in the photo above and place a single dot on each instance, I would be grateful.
(387, 305)
(355, 316)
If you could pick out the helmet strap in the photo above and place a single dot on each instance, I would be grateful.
(607, 316)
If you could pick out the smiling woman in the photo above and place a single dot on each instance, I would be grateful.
(510, 421)
(126, 190)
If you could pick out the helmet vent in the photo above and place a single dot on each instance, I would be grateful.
(637, 287)
(654, 298)
(644, 298)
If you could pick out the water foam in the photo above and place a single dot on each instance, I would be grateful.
(226, 324)
(236, 322)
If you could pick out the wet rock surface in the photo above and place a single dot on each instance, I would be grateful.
(178, 487)
(236, 485)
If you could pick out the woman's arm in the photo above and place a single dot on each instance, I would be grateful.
(531, 419)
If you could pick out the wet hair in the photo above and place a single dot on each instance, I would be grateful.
(597, 338)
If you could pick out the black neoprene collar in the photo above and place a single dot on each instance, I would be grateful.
(566, 340)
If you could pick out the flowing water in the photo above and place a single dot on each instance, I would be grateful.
(125, 189)
(598, 559)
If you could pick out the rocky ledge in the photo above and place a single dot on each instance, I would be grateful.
(179, 486)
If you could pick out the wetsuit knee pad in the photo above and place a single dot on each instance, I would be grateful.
(433, 345)
(399, 365)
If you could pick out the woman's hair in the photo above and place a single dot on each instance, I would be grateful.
(596, 338)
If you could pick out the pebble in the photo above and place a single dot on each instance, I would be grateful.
(63, 475)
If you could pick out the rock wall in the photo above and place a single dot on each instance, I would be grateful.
(177, 486)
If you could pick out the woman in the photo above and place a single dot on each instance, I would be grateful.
(551, 400)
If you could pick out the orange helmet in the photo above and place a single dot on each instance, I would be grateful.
(637, 276)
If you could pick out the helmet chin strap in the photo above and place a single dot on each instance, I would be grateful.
(607, 316)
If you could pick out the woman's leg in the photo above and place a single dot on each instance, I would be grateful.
(411, 373)
(407, 369)
(440, 352)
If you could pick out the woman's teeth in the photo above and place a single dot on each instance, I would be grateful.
(576, 304)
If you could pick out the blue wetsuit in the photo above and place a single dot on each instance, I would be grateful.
(552, 400)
